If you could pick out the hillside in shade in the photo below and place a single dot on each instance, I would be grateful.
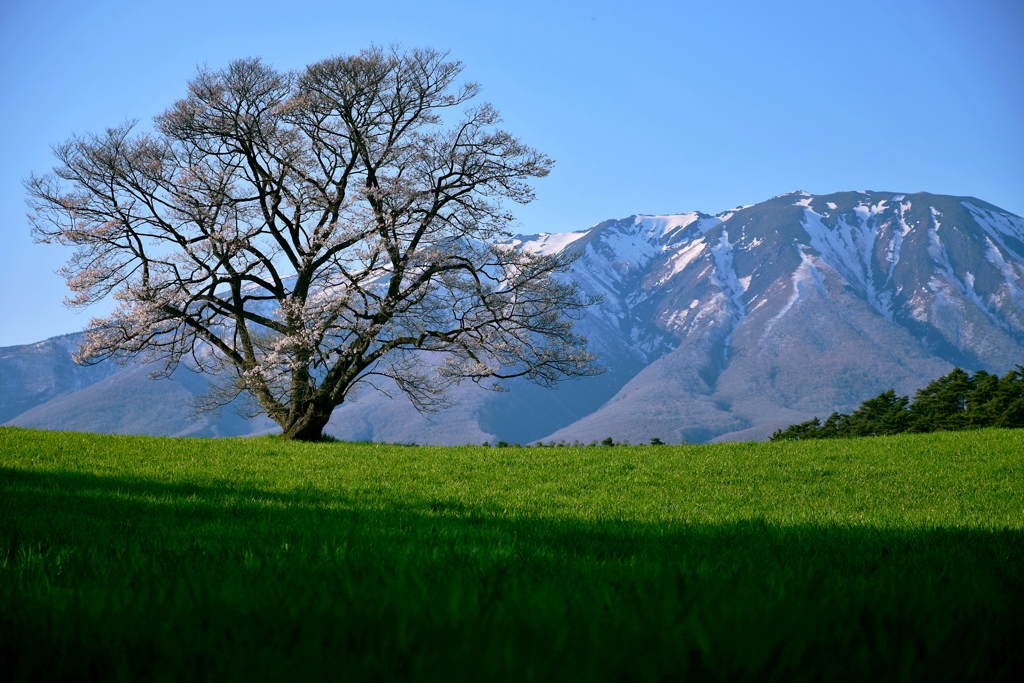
(711, 327)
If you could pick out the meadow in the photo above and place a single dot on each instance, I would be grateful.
(891, 558)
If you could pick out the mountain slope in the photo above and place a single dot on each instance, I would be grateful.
(801, 305)
(32, 374)
(712, 327)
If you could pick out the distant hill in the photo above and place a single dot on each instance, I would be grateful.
(712, 328)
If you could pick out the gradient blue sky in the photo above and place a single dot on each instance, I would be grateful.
(647, 107)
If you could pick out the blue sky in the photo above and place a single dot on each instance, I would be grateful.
(647, 107)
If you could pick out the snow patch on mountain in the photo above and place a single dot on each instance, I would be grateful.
(950, 284)
(1011, 274)
(998, 226)
(867, 210)
(806, 277)
(632, 243)
(663, 226)
(679, 261)
(727, 215)
(546, 242)
(849, 249)
(725, 274)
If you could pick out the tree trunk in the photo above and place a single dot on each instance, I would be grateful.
(309, 426)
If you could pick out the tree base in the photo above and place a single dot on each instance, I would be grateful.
(305, 431)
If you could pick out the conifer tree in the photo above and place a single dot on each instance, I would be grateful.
(958, 400)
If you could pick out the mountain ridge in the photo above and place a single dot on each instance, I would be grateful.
(721, 326)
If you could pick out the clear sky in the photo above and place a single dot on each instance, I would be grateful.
(647, 107)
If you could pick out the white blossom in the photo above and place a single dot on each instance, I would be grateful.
(301, 234)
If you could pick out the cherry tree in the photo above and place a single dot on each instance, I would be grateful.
(300, 234)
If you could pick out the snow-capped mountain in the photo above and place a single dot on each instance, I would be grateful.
(804, 304)
(711, 328)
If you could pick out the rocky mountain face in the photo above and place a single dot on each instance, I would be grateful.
(720, 327)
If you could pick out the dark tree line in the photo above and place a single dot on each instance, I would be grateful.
(956, 401)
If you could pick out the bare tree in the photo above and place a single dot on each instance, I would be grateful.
(300, 234)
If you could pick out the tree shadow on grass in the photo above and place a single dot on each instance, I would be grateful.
(116, 577)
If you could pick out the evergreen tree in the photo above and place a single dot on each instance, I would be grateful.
(1007, 406)
(983, 400)
(942, 404)
(884, 414)
(804, 430)
(958, 400)
(835, 426)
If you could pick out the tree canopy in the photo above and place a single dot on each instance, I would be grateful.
(299, 234)
(955, 401)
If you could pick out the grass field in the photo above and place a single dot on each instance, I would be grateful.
(898, 558)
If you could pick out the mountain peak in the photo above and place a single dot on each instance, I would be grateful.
(711, 327)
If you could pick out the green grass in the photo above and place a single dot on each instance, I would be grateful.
(896, 558)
